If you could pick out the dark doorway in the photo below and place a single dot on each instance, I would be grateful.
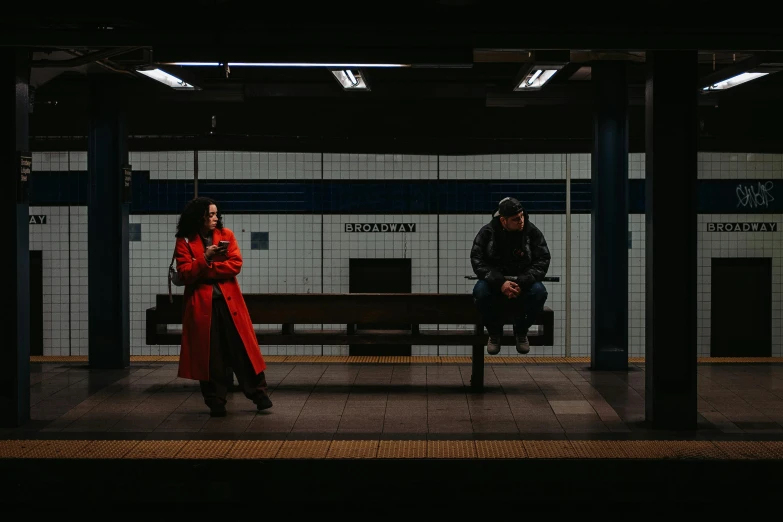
(741, 324)
(380, 276)
(36, 302)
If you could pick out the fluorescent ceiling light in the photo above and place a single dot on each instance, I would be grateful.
(757, 66)
(537, 77)
(168, 79)
(734, 81)
(351, 80)
(291, 64)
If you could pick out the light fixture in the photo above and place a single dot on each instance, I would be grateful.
(351, 80)
(291, 64)
(756, 66)
(739, 79)
(734, 81)
(536, 75)
(176, 82)
(543, 65)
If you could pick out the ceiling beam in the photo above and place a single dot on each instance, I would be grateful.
(83, 59)
(624, 37)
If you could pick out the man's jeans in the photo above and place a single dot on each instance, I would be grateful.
(490, 303)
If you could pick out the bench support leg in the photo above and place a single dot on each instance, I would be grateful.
(477, 370)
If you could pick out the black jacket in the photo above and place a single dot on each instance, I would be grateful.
(497, 253)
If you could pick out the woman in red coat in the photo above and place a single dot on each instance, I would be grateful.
(217, 332)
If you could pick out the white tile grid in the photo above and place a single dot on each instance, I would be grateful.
(504, 167)
(750, 166)
(581, 295)
(580, 166)
(149, 262)
(379, 166)
(740, 165)
(57, 161)
(733, 244)
(291, 265)
(711, 165)
(79, 281)
(62, 241)
(636, 167)
(636, 286)
(258, 165)
(173, 165)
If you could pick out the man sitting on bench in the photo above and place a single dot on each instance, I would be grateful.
(510, 258)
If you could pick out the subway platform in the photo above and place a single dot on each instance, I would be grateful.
(376, 435)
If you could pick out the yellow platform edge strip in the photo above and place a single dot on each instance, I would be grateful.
(429, 359)
(390, 449)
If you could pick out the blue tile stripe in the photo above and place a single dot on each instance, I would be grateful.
(389, 197)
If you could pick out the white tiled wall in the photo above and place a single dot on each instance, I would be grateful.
(310, 253)
(63, 245)
(504, 167)
(255, 165)
(379, 166)
(730, 244)
(580, 285)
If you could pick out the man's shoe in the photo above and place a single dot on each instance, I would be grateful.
(523, 345)
(493, 345)
(263, 403)
(217, 411)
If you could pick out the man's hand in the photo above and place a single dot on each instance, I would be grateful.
(510, 289)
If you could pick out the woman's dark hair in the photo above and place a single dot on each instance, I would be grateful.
(191, 221)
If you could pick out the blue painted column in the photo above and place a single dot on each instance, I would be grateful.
(107, 214)
(609, 342)
(14, 155)
(671, 120)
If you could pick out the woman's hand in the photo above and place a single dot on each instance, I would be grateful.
(212, 251)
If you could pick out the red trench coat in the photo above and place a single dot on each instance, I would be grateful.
(197, 314)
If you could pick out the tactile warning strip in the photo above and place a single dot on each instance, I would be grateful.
(423, 359)
(254, 449)
(391, 449)
(451, 449)
(500, 449)
(752, 449)
(363, 359)
(205, 449)
(402, 449)
(672, 449)
(156, 449)
(394, 359)
(56, 449)
(275, 358)
(303, 449)
(426, 359)
(14, 449)
(106, 449)
(598, 449)
(456, 359)
(550, 449)
(353, 449)
(145, 358)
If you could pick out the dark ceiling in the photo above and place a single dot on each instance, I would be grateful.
(457, 97)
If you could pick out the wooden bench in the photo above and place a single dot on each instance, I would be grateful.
(289, 310)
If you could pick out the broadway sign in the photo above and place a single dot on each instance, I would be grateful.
(380, 227)
(742, 227)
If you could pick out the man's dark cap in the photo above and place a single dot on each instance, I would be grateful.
(508, 207)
